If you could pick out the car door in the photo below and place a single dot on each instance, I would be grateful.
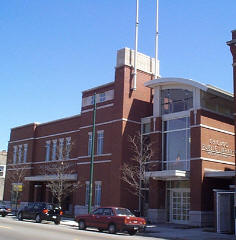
(106, 218)
(96, 218)
(26, 210)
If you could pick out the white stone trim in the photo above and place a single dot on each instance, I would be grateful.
(101, 107)
(12, 169)
(212, 160)
(212, 128)
(103, 161)
(52, 135)
(41, 178)
(101, 155)
(112, 121)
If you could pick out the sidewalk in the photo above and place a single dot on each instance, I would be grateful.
(173, 231)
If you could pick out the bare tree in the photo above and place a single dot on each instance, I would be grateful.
(61, 174)
(133, 171)
(16, 177)
(62, 179)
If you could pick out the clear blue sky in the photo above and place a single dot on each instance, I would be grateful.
(52, 50)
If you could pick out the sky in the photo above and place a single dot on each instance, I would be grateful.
(52, 50)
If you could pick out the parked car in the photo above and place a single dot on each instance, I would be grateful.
(41, 211)
(113, 219)
(4, 210)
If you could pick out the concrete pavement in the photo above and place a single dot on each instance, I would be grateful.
(173, 231)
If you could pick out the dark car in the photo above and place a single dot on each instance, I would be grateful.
(40, 211)
(4, 210)
(113, 219)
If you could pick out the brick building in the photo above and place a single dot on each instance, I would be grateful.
(232, 45)
(190, 124)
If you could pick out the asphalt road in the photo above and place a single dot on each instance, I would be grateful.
(12, 229)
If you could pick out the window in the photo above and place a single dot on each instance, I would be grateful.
(176, 100)
(92, 100)
(61, 143)
(176, 144)
(25, 152)
(90, 143)
(146, 127)
(68, 147)
(54, 149)
(19, 153)
(2, 171)
(98, 211)
(47, 158)
(100, 141)
(98, 188)
(87, 194)
(102, 97)
(14, 154)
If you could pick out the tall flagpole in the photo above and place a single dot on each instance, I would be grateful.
(156, 40)
(136, 46)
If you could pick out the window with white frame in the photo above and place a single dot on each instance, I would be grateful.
(92, 100)
(61, 144)
(100, 141)
(14, 154)
(25, 152)
(2, 170)
(47, 157)
(98, 193)
(68, 147)
(89, 143)
(19, 153)
(54, 149)
(87, 193)
(102, 97)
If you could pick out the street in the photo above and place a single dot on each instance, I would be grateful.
(12, 229)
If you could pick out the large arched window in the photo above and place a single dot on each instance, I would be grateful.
(176, 100)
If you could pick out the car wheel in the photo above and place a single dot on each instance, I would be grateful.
(112, 228)
(20, 216)
(38, 219)
(132, 232)
(4, 214)
(82, 225)
(57, 222)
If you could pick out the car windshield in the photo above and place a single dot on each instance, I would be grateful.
(123, 212)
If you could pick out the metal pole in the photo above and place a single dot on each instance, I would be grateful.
(136, 46)
(156, 40)
(92, 157)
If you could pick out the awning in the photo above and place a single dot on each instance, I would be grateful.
(44, 178)
(168, 175)
(220, 174)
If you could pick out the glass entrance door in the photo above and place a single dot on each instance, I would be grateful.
(179, 205)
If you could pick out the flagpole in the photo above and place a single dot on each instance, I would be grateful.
(156, 39)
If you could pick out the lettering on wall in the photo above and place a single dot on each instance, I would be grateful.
(217, 147)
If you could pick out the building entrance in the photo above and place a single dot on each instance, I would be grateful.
(179, 205)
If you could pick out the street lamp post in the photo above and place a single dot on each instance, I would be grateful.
(92, 156)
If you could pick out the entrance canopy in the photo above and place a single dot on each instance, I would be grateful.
(44, 178)
(168, 175)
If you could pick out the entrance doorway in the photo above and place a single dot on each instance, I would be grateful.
(179, 205)
(225, 212)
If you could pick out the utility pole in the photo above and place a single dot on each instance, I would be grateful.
(92, 157)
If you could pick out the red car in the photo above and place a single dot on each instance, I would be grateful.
(113, 219)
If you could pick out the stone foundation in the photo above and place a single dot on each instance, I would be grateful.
(201, 218)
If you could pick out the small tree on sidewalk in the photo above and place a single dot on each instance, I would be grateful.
(133, 171)
(16, 177)
(61, 174)
(61, 180)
